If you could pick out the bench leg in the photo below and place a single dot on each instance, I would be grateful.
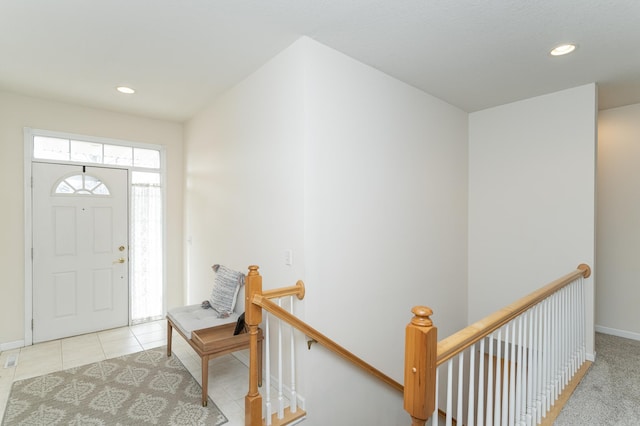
(205, 379)
(169, 334)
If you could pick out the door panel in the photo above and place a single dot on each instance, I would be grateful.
(80, 277)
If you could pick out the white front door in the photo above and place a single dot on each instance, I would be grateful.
(80, 250)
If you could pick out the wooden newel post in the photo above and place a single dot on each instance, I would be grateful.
(253, 318)
(421, 354)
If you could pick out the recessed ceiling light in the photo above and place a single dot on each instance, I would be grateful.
(563, 49)
(126, 90)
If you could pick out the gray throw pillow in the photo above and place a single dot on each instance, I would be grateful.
(226, 285)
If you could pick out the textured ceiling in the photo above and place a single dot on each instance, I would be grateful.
(180, 55)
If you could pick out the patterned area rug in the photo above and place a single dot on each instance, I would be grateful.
(145, 388)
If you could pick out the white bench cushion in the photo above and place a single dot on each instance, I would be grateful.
(193, 317)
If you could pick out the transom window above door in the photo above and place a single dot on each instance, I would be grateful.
(50, 148)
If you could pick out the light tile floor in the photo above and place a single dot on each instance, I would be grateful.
(227, 374)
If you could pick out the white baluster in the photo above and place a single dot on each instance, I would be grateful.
(267, 372)
(293, 403)
(583, 336)
(561, 339)
(546, 348)
(531, 367)
(526, 360)
(571, 361)
(505, 378)
(564, 337)
(559, 346)
(573, 321)
(572, 324)
(489, 415)
(504, 365)
(520, 383)
(569, 330)
(576, 321)
(280, 393)
(481, 383)
(460, 401)
(579, 324)
(471, 394)
(498, 393)
(570, 335)
(435, 415)
(542, 354)
(449, 418)
(513, 392)
(556, 346)
(553, 350)
(537, 374)
(581, 329)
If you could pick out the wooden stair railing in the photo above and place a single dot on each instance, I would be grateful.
(423, 355)
(255, 301)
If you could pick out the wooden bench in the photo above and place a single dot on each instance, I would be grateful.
(210, 336)
(210, 342)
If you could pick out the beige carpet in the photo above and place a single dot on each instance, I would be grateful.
(145, 388)
(609, 394)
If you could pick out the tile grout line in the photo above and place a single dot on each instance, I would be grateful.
(104, 354)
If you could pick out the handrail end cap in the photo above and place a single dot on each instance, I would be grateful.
(586, 270)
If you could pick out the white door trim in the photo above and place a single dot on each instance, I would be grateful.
(28, 239)
(28, 134)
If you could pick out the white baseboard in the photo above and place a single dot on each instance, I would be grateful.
(243, 357)
(7, 346)
(620, 333)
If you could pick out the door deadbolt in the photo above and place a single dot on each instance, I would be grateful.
(121, 248)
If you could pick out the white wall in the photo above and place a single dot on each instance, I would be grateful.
(244, 179)
(531, 197)
(385, 224)
(17, 112)
(618, 233)
(365, 179)
(244, 199)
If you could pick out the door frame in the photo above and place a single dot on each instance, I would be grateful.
(29, 133)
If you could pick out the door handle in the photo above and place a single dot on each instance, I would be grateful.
(121, 260)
